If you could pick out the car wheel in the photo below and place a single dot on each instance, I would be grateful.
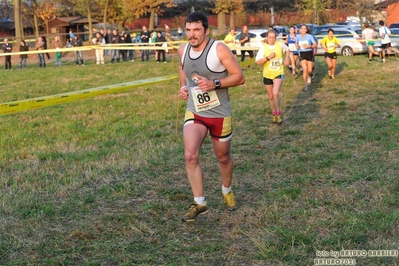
(347, 51)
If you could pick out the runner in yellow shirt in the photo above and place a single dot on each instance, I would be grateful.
(270, 55)
(329, 44)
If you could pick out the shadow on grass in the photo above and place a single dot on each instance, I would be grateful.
(340, 67)
(305, 107)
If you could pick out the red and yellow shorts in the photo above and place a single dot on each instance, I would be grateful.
(219, 127)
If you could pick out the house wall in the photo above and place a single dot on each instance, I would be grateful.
(61, 28)
(6, 29)
(262, 19)
(392, 14)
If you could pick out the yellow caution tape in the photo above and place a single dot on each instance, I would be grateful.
(82, 48)
(88, 48)
(143, 47)
(116, 46)
(150, 46)
(40, 102)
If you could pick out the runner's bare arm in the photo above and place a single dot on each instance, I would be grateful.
(183, 93)
(228, 60)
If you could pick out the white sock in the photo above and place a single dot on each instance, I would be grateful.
(200, 200)
(226, 190)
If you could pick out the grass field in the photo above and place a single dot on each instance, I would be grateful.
(102, 181)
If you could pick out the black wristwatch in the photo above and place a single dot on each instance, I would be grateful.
(216, 83)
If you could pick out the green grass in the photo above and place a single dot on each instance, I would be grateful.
(102, 181)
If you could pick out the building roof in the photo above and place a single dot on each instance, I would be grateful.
(4, 20)
(74, 20)
(384, 3)
(6, 24)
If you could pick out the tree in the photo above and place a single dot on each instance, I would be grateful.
(18, 21)
(105, 15)
(185, 7)
(364, 9)
(86, 7)
(237, 6)
(147, 6)
(65, 8)
(45, 11)
(30, 8)
(117, 11)
(318, 6)
(227, 6)
(255, 6)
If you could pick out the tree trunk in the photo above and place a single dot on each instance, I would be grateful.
(105, 17)
(90, 22)
(35, 21)
(232, 25)
(36, 26)
(221, 23)
(22, 27)
(152, 18)
(17, 21)
(121, 26)
(47, 31)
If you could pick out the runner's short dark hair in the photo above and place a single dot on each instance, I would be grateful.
(197, 17)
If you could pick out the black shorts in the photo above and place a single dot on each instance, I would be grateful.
(306, 56)
(385, 45)
(267, 81)
(331, 55)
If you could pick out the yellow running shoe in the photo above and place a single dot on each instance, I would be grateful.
(229, 201)
(274, 119)
(279, 121)
(193, 211)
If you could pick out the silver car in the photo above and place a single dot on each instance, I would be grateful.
(394, 42)
(350, 40)
(318, 29)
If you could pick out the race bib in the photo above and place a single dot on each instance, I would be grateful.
(292, 47)
(204, 100)
(275, 64)
(330, 45)
(302, 43)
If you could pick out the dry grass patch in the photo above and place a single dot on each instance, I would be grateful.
(102, 181)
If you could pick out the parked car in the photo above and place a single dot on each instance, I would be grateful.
(310, 26)
(350, 40)
(395, 32)
(349, 24)
(316, 30)
(281, 31)
(255, 38)
(394, 42)
(394, 25)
